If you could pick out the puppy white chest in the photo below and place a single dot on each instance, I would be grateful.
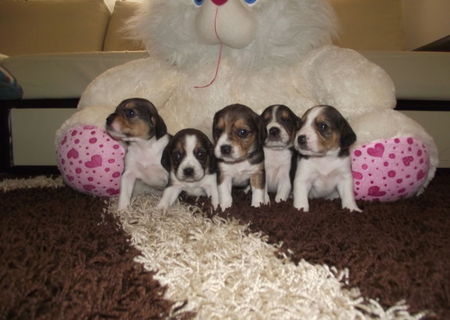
(277, 165)
(145, 162)
(240, 172)
(324, 174)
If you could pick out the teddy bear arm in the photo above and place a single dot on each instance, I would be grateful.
(347, 80)
(144, 78)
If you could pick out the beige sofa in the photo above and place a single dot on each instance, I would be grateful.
(54, 48)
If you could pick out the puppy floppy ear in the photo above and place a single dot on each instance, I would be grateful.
(160, 126)
(348, 136)
(262, 130)
(165, 158)
(298, 122)
(212, 157)
(215, 133)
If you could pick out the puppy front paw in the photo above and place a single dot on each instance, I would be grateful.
(258, 198)
(123, 206)
(352, 208)
(301, 206)
(280, 198)
(226, 202)
(256, 204)
(214, 203)
(266, 199)
(162, 206)
(224, 205)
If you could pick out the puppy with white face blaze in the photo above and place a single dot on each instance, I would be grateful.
(280, 157)
(137, 123)
(189, 159)
(324, 170)
(239, 135)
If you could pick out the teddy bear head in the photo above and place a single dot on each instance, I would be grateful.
(247, 33)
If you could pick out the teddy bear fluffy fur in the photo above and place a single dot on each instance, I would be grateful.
(269, 52)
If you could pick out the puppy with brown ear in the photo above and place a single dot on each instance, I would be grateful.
(324, 171)
(280, 157)
(239, 135)
(189, 158)
(137, 123)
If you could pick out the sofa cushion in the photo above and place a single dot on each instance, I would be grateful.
(416, 75)
(116, 38)
(370, 24)
(28, 27)
(65, 75)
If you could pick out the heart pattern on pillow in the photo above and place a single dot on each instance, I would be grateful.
(91, 161)
(388, 170)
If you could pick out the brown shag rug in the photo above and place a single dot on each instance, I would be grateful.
(64, 256)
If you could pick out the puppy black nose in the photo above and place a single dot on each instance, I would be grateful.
(225, 149)
(301, 140)
(274, 131)
(188, 172)
(110, 119)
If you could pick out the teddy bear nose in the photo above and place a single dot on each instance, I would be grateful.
(219, 2)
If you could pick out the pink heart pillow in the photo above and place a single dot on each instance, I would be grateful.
(91, 161)
(388, 170)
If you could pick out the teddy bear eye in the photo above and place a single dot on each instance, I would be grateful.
(198, 3)
(251, 2)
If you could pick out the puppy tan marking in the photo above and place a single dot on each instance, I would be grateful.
(280, 159)
(258, 180)
(239, 135)
(325, 170)
(137, 123)
(190, 159)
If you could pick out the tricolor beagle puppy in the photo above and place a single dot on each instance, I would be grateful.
(192, 166)
(137, 123)
(239, 135)
(280, 157)
(324, 171)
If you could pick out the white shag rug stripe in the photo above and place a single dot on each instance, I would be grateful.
(35, 182)
(226, 273)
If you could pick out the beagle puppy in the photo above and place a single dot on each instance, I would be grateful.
(280, 157)
(239, 135)
(137, 123)
(189, 159)
(324, 171)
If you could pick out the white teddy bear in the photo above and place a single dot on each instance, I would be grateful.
(206, 54)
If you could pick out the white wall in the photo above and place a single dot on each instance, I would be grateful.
(425, 21)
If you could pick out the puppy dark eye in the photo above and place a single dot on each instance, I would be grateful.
(176, 156)
(242, 133)
(217, 133)
(129, 113)
(200, 154)
(323, 127)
